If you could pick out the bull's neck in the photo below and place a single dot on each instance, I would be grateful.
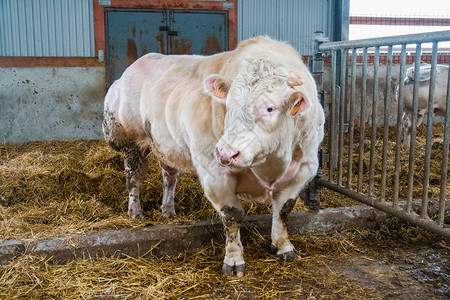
(271, 171)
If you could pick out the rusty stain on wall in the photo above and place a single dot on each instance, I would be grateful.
(160, 39)
(212, 46)
(180, 46)
(132, 54)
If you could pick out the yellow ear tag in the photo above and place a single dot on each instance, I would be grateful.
(295, 108)
(218, 93)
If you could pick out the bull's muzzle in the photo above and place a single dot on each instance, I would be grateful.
(226, 155)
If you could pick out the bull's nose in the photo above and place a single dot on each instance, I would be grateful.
(226, 155)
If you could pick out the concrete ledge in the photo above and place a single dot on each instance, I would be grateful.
(172, 239)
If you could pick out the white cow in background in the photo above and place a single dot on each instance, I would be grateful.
(439, 100)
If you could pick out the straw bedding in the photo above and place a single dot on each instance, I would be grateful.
(197, 275)
(78, 186)
(436, 162)
(62, 187)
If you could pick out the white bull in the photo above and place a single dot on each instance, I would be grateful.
(439, 100)
(247, 121)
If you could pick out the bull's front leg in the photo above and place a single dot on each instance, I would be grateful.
(135, 170)
(220, 191)
(233, 263)
(280, 237)
(406, 128)
(282, 205)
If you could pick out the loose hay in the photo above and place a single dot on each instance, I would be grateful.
(197, 275)
(335, 199)
(63, 187)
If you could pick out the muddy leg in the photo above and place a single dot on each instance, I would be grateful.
(135, 168)
(170, 177)
(282, 205)
(220, 192)
(280, 237)
(233, 263)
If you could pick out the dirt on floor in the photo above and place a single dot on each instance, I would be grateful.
(395, 261)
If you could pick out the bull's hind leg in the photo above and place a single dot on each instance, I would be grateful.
(134, 160)
(135, 169)
(170, 176)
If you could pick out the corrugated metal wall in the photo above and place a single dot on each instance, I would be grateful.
(46, 28)
(289, 20)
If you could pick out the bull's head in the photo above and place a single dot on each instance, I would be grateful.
(263, 103)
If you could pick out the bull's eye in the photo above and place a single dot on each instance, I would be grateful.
(270, 109)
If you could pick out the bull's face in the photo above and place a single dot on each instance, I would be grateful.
(262, 103)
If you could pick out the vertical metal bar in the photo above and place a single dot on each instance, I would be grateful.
(426, 175)
(373, 136)
(313, 191)
(398, 145)
(342, 113)
(386, 124)
(332, 132)
(445, 151)
(362, 122)
(351, 121)
(412, 149)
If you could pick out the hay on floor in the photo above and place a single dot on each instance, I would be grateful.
(198, 275)
(63, 187)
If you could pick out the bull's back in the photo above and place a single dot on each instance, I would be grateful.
(159, 102)
(182, 124)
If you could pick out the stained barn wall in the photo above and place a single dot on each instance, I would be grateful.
(51, 103)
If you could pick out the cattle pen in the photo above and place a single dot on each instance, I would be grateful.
(65, 233)
(350, 113)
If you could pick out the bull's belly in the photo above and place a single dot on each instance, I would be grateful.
(174, 157)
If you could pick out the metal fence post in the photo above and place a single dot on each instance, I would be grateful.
(311, 194)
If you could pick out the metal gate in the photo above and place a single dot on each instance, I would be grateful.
(364, 157)
(131, 33)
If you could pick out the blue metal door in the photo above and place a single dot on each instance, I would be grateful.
(131, 33)
(198, 32)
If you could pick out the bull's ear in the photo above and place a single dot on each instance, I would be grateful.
(298, 104)
(217, 87)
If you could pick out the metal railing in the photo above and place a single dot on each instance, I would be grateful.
(364, 122)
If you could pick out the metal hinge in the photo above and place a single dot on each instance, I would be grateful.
(101, 56)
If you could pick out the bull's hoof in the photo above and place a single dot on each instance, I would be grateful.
(135, 215)
(168, 212)
(290, 256)
(238, 271)
(273, 249)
